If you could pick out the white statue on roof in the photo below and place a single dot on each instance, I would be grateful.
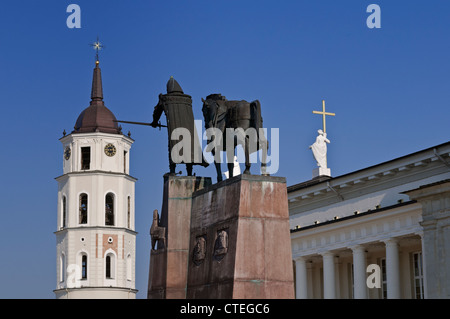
(319, 149)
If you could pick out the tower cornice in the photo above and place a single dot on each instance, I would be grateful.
(69, 137)
(96, 172)
(107, 228)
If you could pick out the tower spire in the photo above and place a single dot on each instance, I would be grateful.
(97, 89)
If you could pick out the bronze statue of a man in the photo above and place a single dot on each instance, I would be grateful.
(177, 107)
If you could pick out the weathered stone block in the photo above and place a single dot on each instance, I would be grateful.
(251, 212)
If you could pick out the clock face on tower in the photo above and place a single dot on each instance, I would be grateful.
(110, 149)
(67, 153)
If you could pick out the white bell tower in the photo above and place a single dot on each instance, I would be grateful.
(95, 237)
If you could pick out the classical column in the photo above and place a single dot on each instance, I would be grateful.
(301, 282)
(309, 275)
(424, 267)
(359, 272)
(337, 276)
(329, 287)
(392, 269)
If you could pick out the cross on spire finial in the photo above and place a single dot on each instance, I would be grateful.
(97, 47)
(323, 113)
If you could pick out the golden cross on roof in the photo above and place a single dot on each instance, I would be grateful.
(324, 114)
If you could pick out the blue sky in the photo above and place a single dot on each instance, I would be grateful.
(389, 88)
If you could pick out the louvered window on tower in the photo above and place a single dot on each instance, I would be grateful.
(125, 162)
(83, 209)
(64, 212)
(129, 212)
(84, 267)
(85, 158)
(109, 210)
(108, 266)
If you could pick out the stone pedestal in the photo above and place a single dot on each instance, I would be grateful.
(169, 262)
(320, 171)
(240, 241)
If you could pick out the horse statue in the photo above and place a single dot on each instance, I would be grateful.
(234, 123)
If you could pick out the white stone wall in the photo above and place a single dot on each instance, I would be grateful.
(96, 185)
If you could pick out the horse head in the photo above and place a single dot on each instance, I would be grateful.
(209, 110)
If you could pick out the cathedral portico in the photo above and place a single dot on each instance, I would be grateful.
(343, 273)
(374, 233)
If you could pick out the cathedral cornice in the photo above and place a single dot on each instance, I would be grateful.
(392, 173)
(350, 217)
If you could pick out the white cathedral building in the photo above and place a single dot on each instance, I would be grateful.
(379, 232)
(96, 237)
